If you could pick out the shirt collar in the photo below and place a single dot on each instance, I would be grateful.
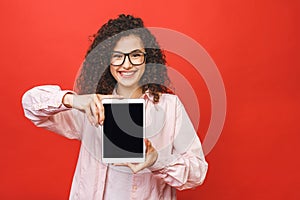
(147, 96)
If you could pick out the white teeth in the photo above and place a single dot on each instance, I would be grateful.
(127, 73)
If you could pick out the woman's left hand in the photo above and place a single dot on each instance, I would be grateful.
(151, 157)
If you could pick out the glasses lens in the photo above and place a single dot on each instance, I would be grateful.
(117, 59)
(137, 58)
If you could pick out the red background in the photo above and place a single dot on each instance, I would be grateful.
(255, 45)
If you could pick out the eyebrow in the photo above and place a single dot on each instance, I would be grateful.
(136, 50)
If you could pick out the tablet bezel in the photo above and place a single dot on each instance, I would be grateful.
(124, 160)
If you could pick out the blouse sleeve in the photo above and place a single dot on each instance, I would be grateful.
(186, 166)
(43, 107)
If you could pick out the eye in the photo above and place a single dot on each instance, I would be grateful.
(117, 56)
(136, 55)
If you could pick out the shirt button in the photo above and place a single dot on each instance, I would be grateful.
(134, 187)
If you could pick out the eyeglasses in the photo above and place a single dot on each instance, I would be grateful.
(136, 57)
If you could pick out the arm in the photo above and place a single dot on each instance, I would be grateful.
(186, 167)
(43, 106)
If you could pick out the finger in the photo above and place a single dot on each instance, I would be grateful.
(100, 110)
(136, 167)
(101, 107)
(89, 115)
(101, 113)
(94, 113)
(120, 164)
(147, 144)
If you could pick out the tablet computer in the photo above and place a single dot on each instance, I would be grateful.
(123, 131)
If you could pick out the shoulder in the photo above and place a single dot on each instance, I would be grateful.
(167, 96)
(169, 99)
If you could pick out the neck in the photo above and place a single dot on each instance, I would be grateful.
(132, 93)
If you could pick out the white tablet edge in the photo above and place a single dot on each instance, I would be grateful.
(125, 160)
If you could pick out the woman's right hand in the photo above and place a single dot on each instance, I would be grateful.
(90, 104)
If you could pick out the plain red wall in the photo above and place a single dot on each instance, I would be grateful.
(255, 45)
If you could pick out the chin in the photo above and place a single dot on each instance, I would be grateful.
(128, 84)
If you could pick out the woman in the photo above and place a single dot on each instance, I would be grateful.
(127, 59)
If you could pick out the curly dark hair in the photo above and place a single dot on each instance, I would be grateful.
(95, 75)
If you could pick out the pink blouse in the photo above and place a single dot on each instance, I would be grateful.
(180, 164)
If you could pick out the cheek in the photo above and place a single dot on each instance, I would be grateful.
(113, 71)
(143, 69)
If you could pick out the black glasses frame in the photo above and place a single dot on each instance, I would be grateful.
(127, 55)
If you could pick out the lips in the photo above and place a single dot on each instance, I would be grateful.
(126, 74)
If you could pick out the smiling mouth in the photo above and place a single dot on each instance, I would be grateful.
(126, 74)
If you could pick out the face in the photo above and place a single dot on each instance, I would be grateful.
(127, 74)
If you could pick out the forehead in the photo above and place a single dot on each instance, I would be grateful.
(129, 43)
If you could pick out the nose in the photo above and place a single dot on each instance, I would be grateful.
(127, 64)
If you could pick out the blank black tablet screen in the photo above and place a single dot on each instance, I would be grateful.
(123, 130)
